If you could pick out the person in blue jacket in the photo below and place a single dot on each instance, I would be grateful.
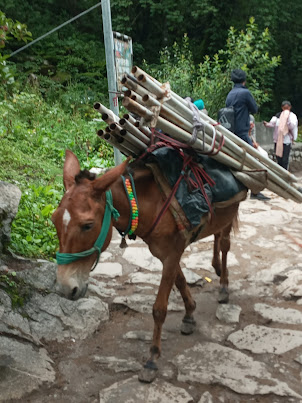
(244, 104)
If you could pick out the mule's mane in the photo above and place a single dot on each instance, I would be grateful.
(84, 174)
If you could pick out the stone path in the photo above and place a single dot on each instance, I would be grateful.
(247, 351)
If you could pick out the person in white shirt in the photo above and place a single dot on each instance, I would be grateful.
(285, 133)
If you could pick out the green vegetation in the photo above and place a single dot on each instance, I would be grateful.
(34, 136)
(47, 92)
(15, 287)
(248, 49)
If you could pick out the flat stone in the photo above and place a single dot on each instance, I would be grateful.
(264, 243)
(105, 256)
(131, 390)
(212, 364)
(142, 335)
(275, 217)
(267, 275)
(292, 286)
(108, 269)
(23, 368)
(144, 303)
(206, 398)
(203, 260)
(100, 291)
(281, 315)
(216, 331)
(142, 257)
(191, 277)
(255, 290)
(299, 359)
(228, 313)
(246, 232)
(148, 278)
(117, 364)
(261, 339)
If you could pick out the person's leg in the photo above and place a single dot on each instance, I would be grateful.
(285, 156)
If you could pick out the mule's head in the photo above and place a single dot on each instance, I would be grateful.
(78, 221)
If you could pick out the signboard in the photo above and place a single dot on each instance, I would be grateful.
(123, 55)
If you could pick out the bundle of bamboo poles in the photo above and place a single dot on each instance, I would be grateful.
(157, 106)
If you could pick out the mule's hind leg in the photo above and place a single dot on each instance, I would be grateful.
(188, 323)
(216, 262)
(159, 315)
(225, 243)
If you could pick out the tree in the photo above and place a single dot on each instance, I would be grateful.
(9, 30)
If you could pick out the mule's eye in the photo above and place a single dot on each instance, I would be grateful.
(86, 227)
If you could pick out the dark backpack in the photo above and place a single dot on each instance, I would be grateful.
(226, 117)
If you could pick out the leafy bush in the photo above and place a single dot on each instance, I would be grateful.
(210, 80)
(33, 233)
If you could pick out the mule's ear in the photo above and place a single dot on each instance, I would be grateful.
(71, 169)
(105, 181)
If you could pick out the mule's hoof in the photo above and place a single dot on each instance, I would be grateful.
(223, 297)
(147, 375)
(188, 326)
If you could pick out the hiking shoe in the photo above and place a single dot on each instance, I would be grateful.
(259, 196)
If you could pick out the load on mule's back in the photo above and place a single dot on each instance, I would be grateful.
(90, 204)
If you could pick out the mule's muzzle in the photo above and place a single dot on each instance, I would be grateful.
(72, 291)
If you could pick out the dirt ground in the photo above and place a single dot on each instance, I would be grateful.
(80, 378)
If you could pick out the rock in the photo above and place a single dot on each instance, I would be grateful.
(281, 315)
(261, 339)
(131, 390)
(105, 256)
(275, 217)
(117, 364)
(142, 257)
(216, 331)
(42, 276)
(212, 364)
(98, 288)
(299, 359)
(191, 277)
(267, 275)
(228, 313)
(142, 335)
(10, 196)
(56, 318)
(144, 303)
(108, 270)
(23, 369)
(206, 398)
(292, 286)
(12, 322)
(148, 278)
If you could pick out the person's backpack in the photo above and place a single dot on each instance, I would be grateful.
(226, 117)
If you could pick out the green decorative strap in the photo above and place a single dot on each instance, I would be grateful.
(66, 258)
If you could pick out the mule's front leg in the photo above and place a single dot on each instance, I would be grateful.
(160, 307)
(188, 323)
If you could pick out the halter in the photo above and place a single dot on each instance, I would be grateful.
(66, 258)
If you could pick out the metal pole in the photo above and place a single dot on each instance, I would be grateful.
(111, 74)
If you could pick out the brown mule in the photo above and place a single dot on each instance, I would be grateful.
(79, 218)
